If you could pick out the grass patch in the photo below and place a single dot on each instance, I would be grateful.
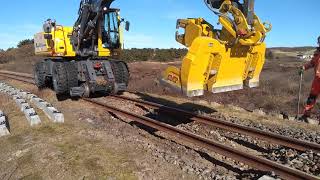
(33, 176)
(92, 164)
(26, 160)
(46, 129)
(15, 139)
(67, 147)
(92, 157)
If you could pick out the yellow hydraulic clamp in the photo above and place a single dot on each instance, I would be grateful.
(220, 60)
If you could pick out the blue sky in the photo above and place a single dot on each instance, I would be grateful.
(295, 23)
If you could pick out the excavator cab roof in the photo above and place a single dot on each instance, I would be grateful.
(216, 4)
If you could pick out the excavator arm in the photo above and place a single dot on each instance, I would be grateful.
(238, 20)
(90, 12)
(89, 28)
(220, 60)
(247, 8)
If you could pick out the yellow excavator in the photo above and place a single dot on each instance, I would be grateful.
(220, 60)
(83, 59)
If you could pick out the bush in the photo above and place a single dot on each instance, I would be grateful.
(295, 49)
(25, 42)
(147, 54)
(9, 49)
(4, 58)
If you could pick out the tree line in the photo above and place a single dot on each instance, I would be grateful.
(148, 54)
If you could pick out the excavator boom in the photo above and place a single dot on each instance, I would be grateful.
(247, 7)
(220, 60)
(90, 13)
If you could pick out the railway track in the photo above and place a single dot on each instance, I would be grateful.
(251, 160)
(267, 136)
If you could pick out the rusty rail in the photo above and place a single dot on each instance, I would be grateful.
(17, 76)
(267, 136)
(251, 160)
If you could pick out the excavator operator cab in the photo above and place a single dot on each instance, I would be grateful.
(111, 29)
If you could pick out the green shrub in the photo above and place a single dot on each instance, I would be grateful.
(9, 49)
(25, 42)
(148, 54)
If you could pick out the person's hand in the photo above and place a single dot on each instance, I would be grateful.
(301, 70)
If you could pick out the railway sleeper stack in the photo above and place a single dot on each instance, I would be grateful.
(4, 130)
(23, 105)
(51, 112)
(29, 112)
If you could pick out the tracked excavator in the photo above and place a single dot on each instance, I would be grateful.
(83, 59)
(220, 60)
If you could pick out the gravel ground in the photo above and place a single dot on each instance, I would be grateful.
(304, 161)
(308, 162)
(191, 159)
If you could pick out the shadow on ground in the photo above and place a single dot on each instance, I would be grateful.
(7, 124)
(172, 118)
(178, 119)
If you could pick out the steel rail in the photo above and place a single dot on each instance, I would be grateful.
(251, 160)
(18, 78)
(17, 74)
(267, 136)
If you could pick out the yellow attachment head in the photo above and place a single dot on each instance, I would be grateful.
(193, 28)
(209, 66)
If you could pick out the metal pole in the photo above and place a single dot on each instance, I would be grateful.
(299, 96)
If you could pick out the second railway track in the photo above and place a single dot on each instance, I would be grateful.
(251, 160)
